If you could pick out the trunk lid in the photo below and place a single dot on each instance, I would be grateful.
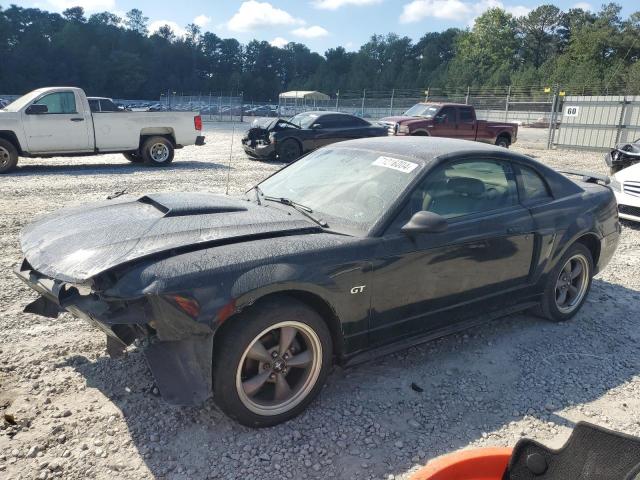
(76, 244)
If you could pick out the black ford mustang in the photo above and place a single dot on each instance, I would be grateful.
(366, 244)
(287, 140)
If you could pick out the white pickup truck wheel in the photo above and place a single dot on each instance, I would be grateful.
(8, 156)
(133, 157)
(157, 152)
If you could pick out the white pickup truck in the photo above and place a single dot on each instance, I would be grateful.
(58, 121)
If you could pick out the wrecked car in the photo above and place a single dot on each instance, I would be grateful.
(622, 156)
(353, 251)
(287, 140)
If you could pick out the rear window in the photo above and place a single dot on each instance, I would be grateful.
(466, 115)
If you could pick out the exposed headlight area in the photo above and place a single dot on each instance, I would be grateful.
(402, 129)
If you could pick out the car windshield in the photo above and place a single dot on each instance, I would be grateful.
(23, 101)
(348, 188)
(422, 110)
(304, 120)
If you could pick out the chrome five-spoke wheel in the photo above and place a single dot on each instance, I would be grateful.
(572, 283)
(4, 157)
(159, 152)
(279, 368)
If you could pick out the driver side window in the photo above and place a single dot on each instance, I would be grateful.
(446, 115)
(59, 102)
(462, 188)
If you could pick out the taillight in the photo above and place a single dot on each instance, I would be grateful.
(197, 122)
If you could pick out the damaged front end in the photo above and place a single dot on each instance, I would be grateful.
(622, 156)
(178, 348)
(260, 140)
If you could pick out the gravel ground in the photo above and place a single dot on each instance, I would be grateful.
(72, 412)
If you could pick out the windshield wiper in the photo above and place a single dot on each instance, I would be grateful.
(303, 209)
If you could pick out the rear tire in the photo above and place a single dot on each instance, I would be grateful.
(157, 152)
(8, 156)
(289, 150)
(503, 141)
(568, 285)
(133, 157)
(255, 379)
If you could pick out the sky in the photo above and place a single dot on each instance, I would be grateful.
(320, 24)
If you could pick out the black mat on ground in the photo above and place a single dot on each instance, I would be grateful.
(591, 453)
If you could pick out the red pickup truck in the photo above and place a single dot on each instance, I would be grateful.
(451, 120)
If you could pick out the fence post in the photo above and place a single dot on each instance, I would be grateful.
(621, 120)
(393, 94)
(466, 98)
(241, 107)
(364, 95)
(506, 108)
(426, 95)
(337, 100)
(552, 118)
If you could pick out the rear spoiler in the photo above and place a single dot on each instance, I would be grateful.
(588, 177)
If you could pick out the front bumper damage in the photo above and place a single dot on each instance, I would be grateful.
(178, 349)
(258, 148)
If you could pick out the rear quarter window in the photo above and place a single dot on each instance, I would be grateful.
(534, 188)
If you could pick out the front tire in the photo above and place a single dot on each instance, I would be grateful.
(289, 150)
(503, 141)
(133, 157)
(568, 284)
(157, 152)
(8, 156)
(271, 362)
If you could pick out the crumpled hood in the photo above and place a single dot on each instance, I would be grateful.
(76, 244)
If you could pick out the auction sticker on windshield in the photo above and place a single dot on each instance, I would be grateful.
(395, 164)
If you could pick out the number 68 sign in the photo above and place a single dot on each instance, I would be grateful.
(571, 111)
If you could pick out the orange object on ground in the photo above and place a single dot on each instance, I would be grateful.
(476, 464)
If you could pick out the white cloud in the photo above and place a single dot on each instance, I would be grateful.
(157, 24)
(90, 6)
(454, 10)
(253, 15)
(279, 42)
(336, 4)
(584, 6)
(310, 32)
(202, 20)
(447, 9)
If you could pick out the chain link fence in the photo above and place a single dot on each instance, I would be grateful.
(587, 117)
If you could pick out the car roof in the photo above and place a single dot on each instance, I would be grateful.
(446, 104)
(424, 149)
(327, 112)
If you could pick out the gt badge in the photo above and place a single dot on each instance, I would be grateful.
(358, 289)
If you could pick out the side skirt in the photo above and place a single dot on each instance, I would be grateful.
(402, 344)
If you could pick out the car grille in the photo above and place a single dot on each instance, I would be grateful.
(629, 210)
(632, 188)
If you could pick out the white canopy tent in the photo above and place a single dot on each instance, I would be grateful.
(303, 98)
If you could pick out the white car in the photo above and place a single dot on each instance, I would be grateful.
(59, 121)
(626, 186)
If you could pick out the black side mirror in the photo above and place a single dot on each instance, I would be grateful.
(441, 119)
(425, 222)
(316, 126)
(36, 109)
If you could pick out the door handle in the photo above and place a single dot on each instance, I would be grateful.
(77, 119)
(515, 230)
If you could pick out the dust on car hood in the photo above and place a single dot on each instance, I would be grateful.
(76, 244)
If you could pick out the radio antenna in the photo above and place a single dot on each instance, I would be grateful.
(233, 132)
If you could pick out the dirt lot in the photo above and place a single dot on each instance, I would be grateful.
(72, 412)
